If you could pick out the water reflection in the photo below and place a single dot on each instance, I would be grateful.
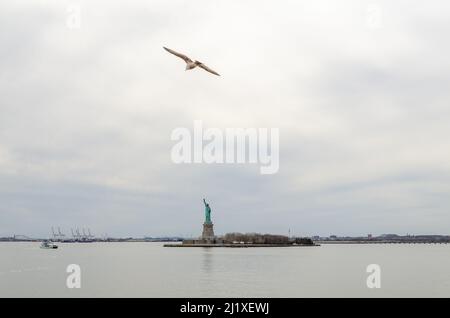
(207, 260)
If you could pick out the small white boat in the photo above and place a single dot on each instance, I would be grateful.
(48, 245)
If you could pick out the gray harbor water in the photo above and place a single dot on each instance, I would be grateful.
(150, 270)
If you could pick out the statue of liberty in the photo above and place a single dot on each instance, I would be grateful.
(207, 212)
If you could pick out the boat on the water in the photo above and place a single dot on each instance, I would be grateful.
(48, 245)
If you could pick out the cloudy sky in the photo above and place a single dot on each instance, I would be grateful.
(358, 89)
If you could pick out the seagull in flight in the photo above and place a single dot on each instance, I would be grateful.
(191, 64)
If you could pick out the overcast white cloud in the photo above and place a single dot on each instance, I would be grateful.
(363, 111)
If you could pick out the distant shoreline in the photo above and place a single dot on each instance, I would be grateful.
(240, 245)
(384, 242)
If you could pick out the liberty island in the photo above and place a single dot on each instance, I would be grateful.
(209, 239)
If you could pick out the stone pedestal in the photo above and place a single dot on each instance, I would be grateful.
(208, 231)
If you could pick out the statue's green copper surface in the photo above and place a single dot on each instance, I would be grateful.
(207, 212)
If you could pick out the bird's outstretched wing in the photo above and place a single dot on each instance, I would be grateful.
(206, 68)
(184, 57)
